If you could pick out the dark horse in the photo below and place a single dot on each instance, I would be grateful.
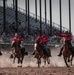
(67, 53)
(17, 53)
(0, 53)
(39, 53)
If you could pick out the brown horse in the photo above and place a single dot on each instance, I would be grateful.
(40, 54)
(17, 53)
(67, 53)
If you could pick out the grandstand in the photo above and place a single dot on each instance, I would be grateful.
(34, 26)
(23, 24)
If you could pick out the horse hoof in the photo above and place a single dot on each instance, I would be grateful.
(48, 62)
(11, 56)
(68, 66)
(19, 66)
(68, 60)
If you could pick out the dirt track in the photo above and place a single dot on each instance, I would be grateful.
(37, 71)
(56, 67)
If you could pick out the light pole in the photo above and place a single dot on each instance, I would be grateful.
(36, 9)
(4, 16)
(69, 16)
(60, 16)
(40, 16)
(50, 17)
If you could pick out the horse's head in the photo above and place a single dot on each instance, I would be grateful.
(63, 40)
(13, 44)
(35, 45)
(66, 46)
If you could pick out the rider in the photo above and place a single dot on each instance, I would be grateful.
(20, 42)
(18, 39)
(38, 38)
(42, 40)
(43, 43)
(68, 36)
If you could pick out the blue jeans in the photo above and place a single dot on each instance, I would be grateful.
(45, 49)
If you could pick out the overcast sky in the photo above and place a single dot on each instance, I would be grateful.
(55, 11)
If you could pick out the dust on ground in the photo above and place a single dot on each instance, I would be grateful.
(29, 66)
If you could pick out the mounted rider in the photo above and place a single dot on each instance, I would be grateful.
(43, 43)
(42, 40)
(20, 42)
(38, 38)
(68, 36)
(18, 39)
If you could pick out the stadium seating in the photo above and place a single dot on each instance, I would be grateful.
(34, 26)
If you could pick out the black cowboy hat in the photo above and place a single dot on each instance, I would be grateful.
(39, 32)
(66, 32)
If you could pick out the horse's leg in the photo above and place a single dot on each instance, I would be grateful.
(71, 60)
(18, 60)
(48, 60)
(39, 61)
(44, 61)
(21, 60)
(65, 59)
(14, 60)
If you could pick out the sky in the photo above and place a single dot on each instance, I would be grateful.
(55, 11)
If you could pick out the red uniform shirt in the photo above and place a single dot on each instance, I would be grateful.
(42, 39)
(68, 36)
(18, 39)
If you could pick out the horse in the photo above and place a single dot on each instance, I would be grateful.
(17, 53)
(66, 52)
(0, 53)
(40, 54)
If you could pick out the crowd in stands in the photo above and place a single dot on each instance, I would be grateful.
(7, 37)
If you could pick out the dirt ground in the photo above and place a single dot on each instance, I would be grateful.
(29, 66)
(37, 71)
